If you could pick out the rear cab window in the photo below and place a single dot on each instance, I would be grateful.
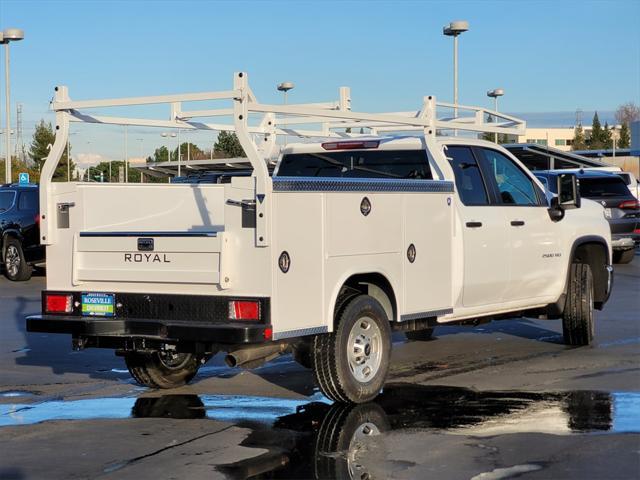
(599, 187)
(28, 201)
(469, 182)
(393, 164)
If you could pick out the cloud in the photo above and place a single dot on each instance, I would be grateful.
(84, 160)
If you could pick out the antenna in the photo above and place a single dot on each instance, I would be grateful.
(20, 152)
(579, 117)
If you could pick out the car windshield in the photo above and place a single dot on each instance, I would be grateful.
(6, 200)
(603, 187)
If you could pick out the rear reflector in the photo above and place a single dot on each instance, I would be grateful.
(59, 303)
(242, 310)
(630, 205)
(268, 333)
(351, 145)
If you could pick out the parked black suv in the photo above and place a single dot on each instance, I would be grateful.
(20, 230)
(621, 208)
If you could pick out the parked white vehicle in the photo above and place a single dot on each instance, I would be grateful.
(353, 236)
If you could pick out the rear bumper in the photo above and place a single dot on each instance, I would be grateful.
(161, 330)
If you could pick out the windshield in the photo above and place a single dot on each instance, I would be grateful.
(603, 187)
(6, 200)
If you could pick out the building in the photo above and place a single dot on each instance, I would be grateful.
(560, 138)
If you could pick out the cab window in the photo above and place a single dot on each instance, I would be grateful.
(513, 185)
(395, 164)
(469, 183)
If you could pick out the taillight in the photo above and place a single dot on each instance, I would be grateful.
(58, 303)
(243, 310)
(629, 205)
(351, 145)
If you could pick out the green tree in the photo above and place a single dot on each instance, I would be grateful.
(189, 150)
(625, 137)
(579, 142)
(228, 145)
(18, 167)
(159, 155)
(607, 138)
(596, 142)
(43, 139)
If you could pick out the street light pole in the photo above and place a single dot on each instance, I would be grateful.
(454, 29)
(285, 87)
(495, 93)
(8, 35)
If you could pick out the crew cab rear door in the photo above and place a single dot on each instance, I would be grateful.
(484, 230)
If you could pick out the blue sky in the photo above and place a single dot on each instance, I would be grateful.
(549, 56)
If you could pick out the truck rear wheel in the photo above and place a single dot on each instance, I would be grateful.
(15, 266)
(577, 319)
(162, 369)
(351, 364)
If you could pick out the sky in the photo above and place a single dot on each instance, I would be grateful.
(550, 57)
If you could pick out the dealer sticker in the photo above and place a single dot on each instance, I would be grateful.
(98, 304)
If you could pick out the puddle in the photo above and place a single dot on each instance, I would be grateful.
(303, 438)
(17, 394)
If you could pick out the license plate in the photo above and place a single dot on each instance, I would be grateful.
(607, 213)
(98, 304)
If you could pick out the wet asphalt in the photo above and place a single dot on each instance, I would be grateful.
(500, 400)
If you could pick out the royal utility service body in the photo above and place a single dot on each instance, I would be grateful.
(352, 236)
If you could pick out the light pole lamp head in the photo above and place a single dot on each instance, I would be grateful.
(455, 28)
(11, 35)
(285, 86)
(495, 93)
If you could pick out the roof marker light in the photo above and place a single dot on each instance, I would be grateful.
(351, 145)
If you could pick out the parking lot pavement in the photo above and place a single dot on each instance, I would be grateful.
(500, 400)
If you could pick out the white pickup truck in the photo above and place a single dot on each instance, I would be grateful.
(351, 237)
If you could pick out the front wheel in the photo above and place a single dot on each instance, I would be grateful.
(351, 363)
(577, 318)
(163, 369)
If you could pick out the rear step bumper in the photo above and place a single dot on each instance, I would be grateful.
(220, 333)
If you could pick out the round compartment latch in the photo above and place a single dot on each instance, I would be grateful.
(365, 206)
(284, 262)
(411, 253)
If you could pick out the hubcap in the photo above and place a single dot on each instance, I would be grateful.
(12, 260)
(365, 349)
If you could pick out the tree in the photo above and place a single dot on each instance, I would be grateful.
(43, 139)
(607, 136)
(228, 145)
(18, 167)
(579, 142)
(160, 155)
(597, 139)
(627, 113)
(625, 137)
(189, 150)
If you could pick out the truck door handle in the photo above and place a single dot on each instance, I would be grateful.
(517, 223)
(474, 224)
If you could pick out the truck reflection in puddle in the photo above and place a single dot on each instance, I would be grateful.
(320, 440)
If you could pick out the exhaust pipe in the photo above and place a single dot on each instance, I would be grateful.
(250, 357)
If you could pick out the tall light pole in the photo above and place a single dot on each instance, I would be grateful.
(172, 135)
(284, 87)
(454, 29)
(8, 35)
(495, 93)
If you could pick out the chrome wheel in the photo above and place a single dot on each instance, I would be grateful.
(12, 260)
(365, 349)
(356, 469)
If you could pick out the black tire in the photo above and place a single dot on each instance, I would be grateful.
(16, 267)
(354, 375)
(341, 436)
(419, 335)
(577, 318)
(163, 370)
(623, 257)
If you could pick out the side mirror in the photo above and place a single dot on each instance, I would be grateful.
(568, 191)
(556, 212)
